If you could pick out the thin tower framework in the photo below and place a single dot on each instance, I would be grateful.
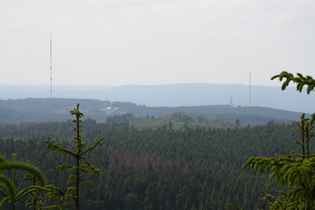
(50, 67)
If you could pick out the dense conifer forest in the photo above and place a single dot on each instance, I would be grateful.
(57, 109)
(156, 168)
(181, 161)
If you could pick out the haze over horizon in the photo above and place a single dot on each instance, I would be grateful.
(155, 42)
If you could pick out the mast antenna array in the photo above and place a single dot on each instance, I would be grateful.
(50, 68)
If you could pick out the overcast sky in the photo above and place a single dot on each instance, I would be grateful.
(118, 42)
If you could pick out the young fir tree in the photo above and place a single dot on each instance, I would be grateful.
(34, 201)
(81, 166)
(294, 170)
(8, 186)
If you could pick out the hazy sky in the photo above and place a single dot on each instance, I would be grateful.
(117, 42)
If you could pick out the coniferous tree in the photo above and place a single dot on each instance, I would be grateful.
(294, 170)
(81, 166)
(34, 201)
(8, 186)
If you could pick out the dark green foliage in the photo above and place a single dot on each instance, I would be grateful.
(159, 168)
(80, 167)
(34, 201)
(294, 170)
(168, 167)
(180, 117)
(118, 118)
(299, 79)
(8, 186)
(178, 121)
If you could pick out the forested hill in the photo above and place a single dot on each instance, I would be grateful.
(57, 109)
(173, 95)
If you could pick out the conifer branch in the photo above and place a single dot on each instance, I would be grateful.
(8, 185)
(24, 166)
(295, 170)
(299, 79)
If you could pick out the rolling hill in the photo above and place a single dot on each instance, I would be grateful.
(174, 95)
(57, 109)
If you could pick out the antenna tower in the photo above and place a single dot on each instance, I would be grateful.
(250, 84)
(50, 68)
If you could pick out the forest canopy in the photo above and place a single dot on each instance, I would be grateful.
(162, 168)
(189, 161)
